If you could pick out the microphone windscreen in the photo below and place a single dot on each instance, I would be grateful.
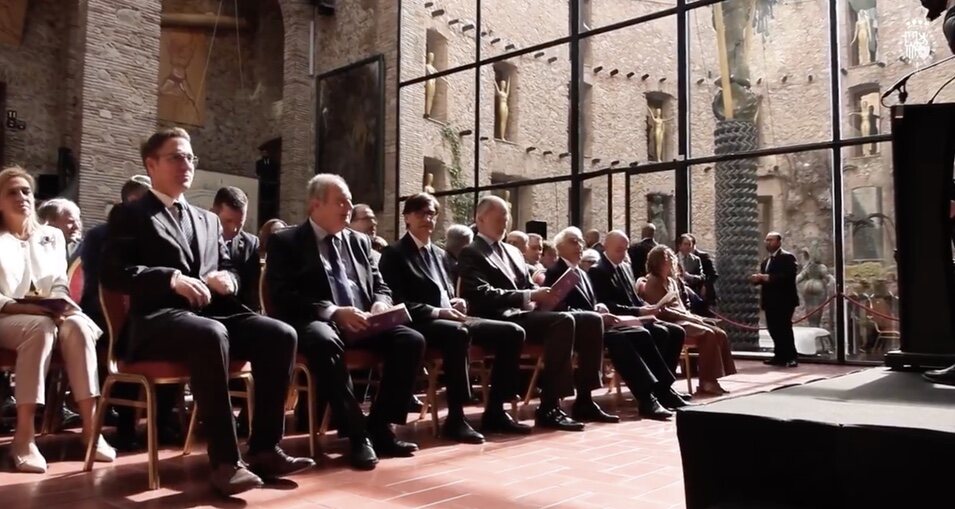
(948, 28)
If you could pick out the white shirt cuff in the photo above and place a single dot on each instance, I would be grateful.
(435, 312)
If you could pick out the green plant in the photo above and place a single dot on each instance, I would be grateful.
(461, 205)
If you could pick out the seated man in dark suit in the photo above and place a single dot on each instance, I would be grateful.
(414, 269)
(169, 257)
(631, 348)
(456, 238)
(613, 284)
(231, 205)
(322, 281)
(638, 252)
(709, 273)
(497, 285)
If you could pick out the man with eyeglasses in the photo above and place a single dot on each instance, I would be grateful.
(169, 257)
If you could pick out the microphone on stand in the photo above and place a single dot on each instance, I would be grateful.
(900, 85)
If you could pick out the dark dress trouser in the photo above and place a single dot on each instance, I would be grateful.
(205, 345)
(401, 350)
(452, 338)
(779, 322)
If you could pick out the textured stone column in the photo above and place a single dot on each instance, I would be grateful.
(117, 96)
(297, 124)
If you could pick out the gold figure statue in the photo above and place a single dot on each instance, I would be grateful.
(430, 85)
(658, 130)
(502, 92)
(863, 35)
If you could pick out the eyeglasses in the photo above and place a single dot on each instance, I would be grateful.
(179, 157)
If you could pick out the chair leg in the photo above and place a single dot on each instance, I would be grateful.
(425, 404)
(485, 383)
(433, 395)
(686, 371)
(56, 396)
(152, 438)
(250, 400)
(193, 417)
(533, 384)
(98, 424)
(310, 401)
(326, 420)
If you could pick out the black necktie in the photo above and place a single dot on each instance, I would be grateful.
(499, 250)
(340, 286)
(588, 292)
(185, 224)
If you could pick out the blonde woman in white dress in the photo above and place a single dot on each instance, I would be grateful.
(33, 263)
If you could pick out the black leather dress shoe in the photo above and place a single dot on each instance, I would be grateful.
(650, 408)
(501, 422)
(555, 418)
(671, 400)
(591, 412)
(790, 364)
(363, 455)
(941, 376)
(460, 431)
(388, 446)
(275, 463)
(231, 480)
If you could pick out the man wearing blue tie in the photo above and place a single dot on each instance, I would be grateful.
(321, 281)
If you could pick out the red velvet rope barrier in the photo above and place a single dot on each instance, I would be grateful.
(852, 301)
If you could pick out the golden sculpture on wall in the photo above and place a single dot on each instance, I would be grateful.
(13, 13)
(182, 61)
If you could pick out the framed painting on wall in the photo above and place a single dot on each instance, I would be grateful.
(350, 134)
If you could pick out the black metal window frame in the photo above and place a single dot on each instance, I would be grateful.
(681, 166)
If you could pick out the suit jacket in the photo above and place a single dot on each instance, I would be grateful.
(484, 284)
(91, 257)
(298, 283)
(145, 246)
(405, 272)
(615, 293)
(779, 293)
(692, 271)
(709, 272)
(44, 263)
(638, 256)
(581, 298)
(244, 252)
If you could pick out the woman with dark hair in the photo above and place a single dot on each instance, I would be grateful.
(716, 358)
(271, 226)
(34, 265)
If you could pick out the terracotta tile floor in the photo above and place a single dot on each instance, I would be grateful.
(632, 464)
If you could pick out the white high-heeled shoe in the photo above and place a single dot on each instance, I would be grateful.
(104, 452)
(27, 458)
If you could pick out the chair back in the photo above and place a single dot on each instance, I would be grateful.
(74, 275)
(115, 310)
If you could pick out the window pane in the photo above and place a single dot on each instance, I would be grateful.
(539, 208)
(511, 25)
(653, 201)
(870, 270)
(437, 152)
(780, 92)
(734, 205)
(524, 109)
(599, 13)
(628, 105)
(436, 36)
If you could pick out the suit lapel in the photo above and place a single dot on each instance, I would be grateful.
(492, 261)
(165, 222)
(414, 254)
(352, 245)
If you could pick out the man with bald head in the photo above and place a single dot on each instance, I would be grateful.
(634, 355)
(321, 280)
(613, 284)
(497, 285)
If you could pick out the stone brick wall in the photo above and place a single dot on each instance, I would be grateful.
(33, 73)
(121, 66)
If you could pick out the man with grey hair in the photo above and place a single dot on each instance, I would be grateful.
(321, 280)
(456, 238)
(518, 239)
(497, 285)
(65, 216)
